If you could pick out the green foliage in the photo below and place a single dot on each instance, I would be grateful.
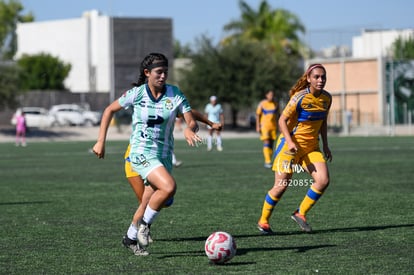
(63, 211)
(403, 48)
(9, 89)
(278, 28)
(239, 74)
(181, 51)
(43, 72)
(10, 15)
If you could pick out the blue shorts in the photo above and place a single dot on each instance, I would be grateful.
(144, 165)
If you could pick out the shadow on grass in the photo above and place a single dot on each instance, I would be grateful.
(24, 202)
(243, 251)
(288, 233)
(363, 228)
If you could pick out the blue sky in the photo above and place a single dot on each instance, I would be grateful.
(328, 22)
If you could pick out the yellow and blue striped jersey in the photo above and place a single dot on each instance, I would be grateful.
(306, 114)
(268, 112)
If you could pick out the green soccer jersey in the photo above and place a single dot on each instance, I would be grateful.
(153, 119)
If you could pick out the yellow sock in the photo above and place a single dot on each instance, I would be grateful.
(268, 205)
(267, 153)
(310, 199)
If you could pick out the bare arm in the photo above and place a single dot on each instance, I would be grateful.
(285, 131)
(200, 117)
(324, 137)
(258, 123)
(99, 147)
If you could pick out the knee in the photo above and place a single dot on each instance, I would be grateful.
(170, 188)
(322, 182)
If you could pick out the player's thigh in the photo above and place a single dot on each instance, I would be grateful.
(316, 166)
(284, 158)
(161, 179)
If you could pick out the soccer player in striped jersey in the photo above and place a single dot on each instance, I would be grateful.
(267, 113)
(143, 191)
(156, 105)
(301, 123)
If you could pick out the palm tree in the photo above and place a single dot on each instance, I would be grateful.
(279, 28)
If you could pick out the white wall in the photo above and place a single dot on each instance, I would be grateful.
(82, 42)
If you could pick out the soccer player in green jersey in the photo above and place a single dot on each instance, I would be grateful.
(156, 105)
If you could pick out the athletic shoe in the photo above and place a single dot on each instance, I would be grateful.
(134, 246)
(142, 235)
(178, 163)
(301, 221)
(268, 165)
(264, 228)
(150, 240)
(219, 148)
(209, 149)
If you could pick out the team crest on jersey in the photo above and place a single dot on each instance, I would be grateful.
(169, 105)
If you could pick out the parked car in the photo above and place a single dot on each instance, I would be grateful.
(74, 114)
(36, 117)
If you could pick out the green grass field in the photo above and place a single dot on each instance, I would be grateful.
(63, 211)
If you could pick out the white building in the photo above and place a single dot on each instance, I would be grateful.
(104, 51)
(374, 43)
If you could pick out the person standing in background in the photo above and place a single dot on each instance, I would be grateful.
(214, 113)
(267, 113)
(20, 129)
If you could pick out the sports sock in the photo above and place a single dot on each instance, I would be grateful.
(132, 232)
(268, 206)
(209, 142)
(267, 153)
(219, 142)
(310, 199)
(150, 215)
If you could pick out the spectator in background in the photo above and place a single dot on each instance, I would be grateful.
(214, 113)
(20, 129)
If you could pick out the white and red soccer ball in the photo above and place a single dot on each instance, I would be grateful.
(220, 247)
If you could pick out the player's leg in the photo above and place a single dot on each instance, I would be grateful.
(268, 139)
(210, 139)
(318, 169)
(283, 174)
(271, 199)
(164, 185)
(137, 185)
(219, 141)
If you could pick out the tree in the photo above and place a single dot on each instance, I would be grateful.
(10, 15)
(238, 74)
(9, 80)
(278, 28)
(42, 72)
(181, 51)
(403, 48)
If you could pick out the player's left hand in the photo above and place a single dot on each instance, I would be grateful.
(327, 152)
(217, 126)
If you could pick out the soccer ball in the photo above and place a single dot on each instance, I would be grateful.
(220, 247)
